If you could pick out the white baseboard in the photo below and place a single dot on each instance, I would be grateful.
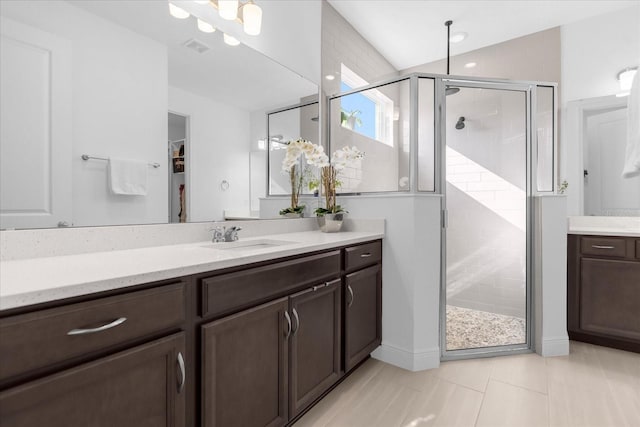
(557, 346)
(404, 359)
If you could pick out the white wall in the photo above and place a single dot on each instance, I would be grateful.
(594, 50)
(219, 143)
(117, 109)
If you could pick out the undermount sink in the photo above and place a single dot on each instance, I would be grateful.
(249, 244)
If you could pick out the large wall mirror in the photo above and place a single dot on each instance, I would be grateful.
(125, 80)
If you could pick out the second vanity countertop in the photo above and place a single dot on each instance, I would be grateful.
(604, 226)
(32, 281)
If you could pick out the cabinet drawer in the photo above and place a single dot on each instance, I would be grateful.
(603, 246)
(35, 340)
(362, 255)
(231, 292)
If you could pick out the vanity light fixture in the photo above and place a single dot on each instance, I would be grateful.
(178, 12)
(625, 78)
(228, 9)
(251, 18)
(230, 40)
(205, 27)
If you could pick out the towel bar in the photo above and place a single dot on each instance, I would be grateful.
(88, 157)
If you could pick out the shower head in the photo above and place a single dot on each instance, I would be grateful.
(451, 91)
(460, 124)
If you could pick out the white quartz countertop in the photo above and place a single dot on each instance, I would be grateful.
(605, 231)
(604, 226)
(31, 281)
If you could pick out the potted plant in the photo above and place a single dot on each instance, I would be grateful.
(330, 217)
(350, 119)
(297, 176)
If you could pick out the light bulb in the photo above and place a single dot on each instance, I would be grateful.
(205, 27)
(228, 9)
(177, 12)
(252, 18)
(230, 40)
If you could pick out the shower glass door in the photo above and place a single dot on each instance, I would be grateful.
(486, 233)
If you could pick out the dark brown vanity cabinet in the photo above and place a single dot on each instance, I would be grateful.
(247, 346)
(139, 387)
(604, 291)
(245, 361)
(363, 323)
(114, 381)
(315, 343)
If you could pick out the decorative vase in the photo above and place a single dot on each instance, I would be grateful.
(330, 223)
(293, 215)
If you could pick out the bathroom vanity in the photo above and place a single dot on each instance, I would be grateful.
(603, 288)
(251, 344)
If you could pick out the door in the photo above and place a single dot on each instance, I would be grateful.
(606, 192)
(140, 387)
(485, 233)
(35, 128)
(315, 343)
(244, 367)
(362, 317)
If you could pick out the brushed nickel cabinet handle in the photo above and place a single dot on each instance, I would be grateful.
(286, 316)
(297, 319)
(351, 295)
(183, 374)
(602, 247)
(109, 325)
(367, 255)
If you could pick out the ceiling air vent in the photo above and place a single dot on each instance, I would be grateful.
(196, 45)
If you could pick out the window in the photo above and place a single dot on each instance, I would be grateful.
(369, 113)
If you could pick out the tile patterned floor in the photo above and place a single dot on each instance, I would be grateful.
(593, 386)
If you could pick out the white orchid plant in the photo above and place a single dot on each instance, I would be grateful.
(329, 171)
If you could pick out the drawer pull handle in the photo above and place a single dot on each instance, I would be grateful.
(367, 255)
(351, 296)
(109, 325)
(286, 316)
(295, 316)
(183, 374)
(602, 247)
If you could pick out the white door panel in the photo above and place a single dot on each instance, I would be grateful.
(35, 127)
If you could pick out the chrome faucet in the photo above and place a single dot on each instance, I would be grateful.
(231, 233)
(218, 235)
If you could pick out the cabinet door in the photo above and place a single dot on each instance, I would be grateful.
(244, 367)
(315, 344)
(363, 314)
(610, 297)
(140, 387)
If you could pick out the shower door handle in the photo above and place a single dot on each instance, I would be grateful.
(445, 218)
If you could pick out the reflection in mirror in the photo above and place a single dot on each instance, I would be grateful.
(376, 121)
(110, 79)
(606, 191)
(284, 125)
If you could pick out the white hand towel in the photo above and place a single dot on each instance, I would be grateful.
(129, 177)
(632, 157)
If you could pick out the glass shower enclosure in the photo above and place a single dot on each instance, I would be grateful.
(487, 146)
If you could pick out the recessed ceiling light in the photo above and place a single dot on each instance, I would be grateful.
(177, 12)
(230, 40)
(205, 27)
(330, 77)
(457, 37)
(470, 65)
